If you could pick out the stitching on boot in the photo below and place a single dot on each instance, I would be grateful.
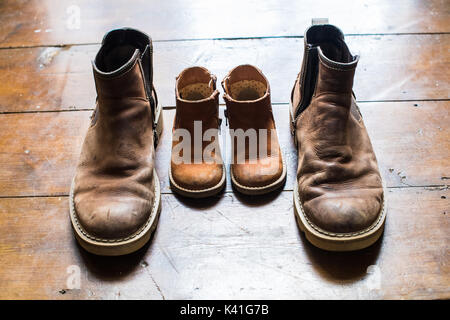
(200, 190)
(340, 235)
(104, 77)
(281, 178)
(73, 210)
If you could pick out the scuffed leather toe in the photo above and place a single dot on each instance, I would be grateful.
(197, 176)
(113, 219)
(343, 214)
(259, 174)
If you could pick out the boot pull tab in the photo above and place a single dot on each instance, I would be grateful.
(212, 82)
(318, 21)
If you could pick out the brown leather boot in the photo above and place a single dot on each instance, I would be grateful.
(115, 195)
(196, 168)
(338, 195)
(257, 163)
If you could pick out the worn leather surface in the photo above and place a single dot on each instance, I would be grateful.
(197, 174)
(339, 183)
(265, 168)
(114, 182)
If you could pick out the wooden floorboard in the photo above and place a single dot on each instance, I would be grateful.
(229, 247)
(38, 160)
(407, 67)
(50, 22)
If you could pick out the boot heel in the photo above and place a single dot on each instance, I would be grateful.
(158, 125)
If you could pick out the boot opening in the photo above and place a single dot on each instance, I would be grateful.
(247, 90)
(114, 58)
(331, 41)
(118, 48)
(246, 83)
(194, 84)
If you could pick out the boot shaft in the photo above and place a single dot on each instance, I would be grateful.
(123, 67)
(328, 67)
(247, 98)
(197, 99)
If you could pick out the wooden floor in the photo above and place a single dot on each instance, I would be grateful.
(231, 246)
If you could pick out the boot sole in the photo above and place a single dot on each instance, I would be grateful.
(337, 241)
(259, 190)
(196, 194)
(118, 247)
